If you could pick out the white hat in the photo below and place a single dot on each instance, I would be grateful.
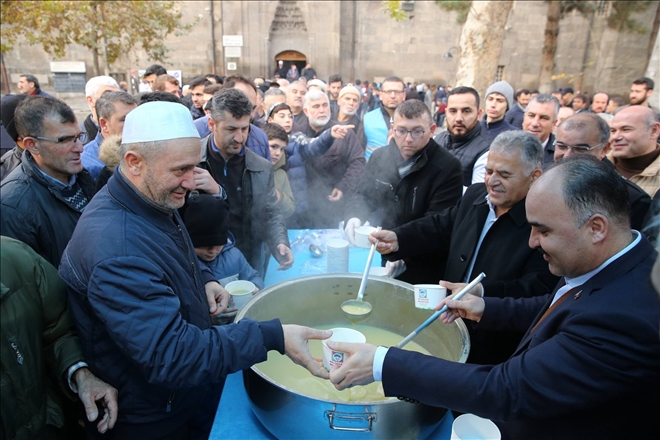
(158, 121)
(317, 83)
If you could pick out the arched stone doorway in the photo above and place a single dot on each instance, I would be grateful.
(291, 57)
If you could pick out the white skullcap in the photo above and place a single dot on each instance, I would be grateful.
(158, 121)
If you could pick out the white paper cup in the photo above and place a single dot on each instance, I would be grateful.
(334, 359)
(362, 236)
(337, 256)
(471, 427)
(240, 291)
(427, 296)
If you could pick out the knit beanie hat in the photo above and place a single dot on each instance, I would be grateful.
(504, 89)
(352, 90)
(206, 219)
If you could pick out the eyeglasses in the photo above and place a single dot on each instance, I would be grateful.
(579, 148)
(391, 92)
(415, 134)
(82, 136)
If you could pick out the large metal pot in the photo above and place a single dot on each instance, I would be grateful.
(315, 301)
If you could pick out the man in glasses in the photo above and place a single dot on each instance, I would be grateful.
(376, 124)
(409, 179)
(43, 199)
(486, 231)
(588, 133)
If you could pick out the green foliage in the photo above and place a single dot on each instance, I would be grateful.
(620, 19)
(462, 8)
(125, 25)
(393, 7)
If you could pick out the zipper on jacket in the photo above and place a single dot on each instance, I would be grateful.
(225, 169)
(385, 183)
(169, 402)
(414, 197)
(19, 356)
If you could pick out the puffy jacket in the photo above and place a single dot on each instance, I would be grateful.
(90, 156)
(434, 183)
(287, 202)
(231, 265)
(34, 211)
(298, 151)
(10, 160)
(468, 148)
(37, 339)
(262, 219)
(138, 297)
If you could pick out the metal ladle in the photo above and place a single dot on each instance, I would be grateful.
(357, 310)
(435, 316)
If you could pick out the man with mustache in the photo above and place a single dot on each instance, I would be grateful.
(295, 92)
(540, 118)
(486, 231)
(635, 151)
(333, 177)
(254, 217)
(588, 133)
(589, 364)
(141, 301)
(465, 138)
(44, 197)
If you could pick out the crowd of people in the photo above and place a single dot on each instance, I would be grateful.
(120, 231)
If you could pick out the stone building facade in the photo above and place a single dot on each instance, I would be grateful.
(358, 40)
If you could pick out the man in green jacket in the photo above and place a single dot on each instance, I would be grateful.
(38, 346)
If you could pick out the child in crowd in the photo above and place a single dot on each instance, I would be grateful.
(207, 222)
(277, 141)
(300, 149)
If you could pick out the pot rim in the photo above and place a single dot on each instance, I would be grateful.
(387, 400)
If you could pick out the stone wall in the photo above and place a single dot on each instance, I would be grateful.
(328, 33)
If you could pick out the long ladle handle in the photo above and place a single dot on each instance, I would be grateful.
(365, 275)
(435, 316)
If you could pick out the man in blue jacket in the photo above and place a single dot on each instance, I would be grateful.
(589, 364)
(141, 301)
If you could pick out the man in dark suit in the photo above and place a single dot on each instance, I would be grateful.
(588, 133)
(589, 364)
(486, 231)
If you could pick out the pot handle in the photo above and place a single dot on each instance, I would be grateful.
(350, 418)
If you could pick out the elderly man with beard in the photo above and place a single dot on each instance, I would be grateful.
(486, 231)
(465, 138)
(141, 301)
(349, 101)
(333, 177)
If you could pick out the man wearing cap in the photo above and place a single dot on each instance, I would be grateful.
(316, 84)
(255, 219)
(141, 301)
(567, 97)
(43, 198)
(94, 88)
(377, 123)
(499, 99)
(12, 158)
(280, 71)
(350, 98)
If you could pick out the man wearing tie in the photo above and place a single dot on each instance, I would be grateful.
(589, 363)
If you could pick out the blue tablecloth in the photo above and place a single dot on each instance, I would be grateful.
(234, 418)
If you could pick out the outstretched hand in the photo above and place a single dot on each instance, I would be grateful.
(296, 347)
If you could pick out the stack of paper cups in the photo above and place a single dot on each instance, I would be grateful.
(337, 256)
